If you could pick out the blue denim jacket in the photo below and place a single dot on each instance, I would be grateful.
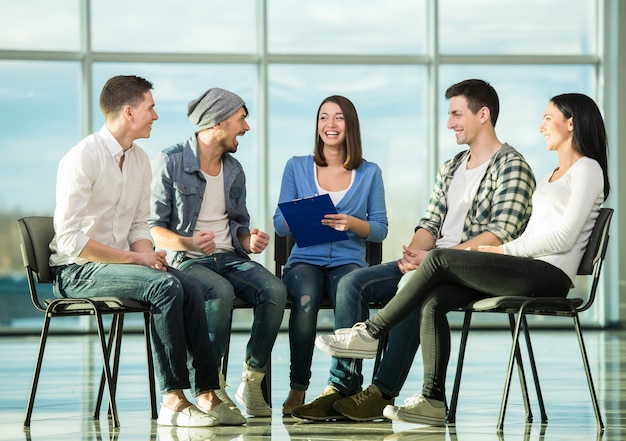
(178, 189)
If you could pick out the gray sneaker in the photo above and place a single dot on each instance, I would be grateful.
(418, 409)
(367, 405)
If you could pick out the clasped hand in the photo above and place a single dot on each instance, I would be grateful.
(154, 259)
(411, 259)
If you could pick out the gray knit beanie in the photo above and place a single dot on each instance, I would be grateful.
(212, 107)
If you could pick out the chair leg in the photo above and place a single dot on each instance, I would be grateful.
(117, 347)
(33, 388)
(514, 356)
(533, 367)
(107, 368)
(380, 353)
(520, 367)
(150, 361)
(224, 360)
(113, 346)
(266, 387)
(459, 368)
(102, 384)
(592, 390)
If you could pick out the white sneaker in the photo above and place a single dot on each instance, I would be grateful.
(189, 417)
(418, 409)
(356, 343)
(221, 393)
(343, 331)
(225, 415)
(250, 395)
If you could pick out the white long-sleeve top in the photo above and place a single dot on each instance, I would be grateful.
(564, 213)
(96, 200)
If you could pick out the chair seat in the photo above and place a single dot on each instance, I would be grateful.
(106, 305)
(534, 305)
(241, 303)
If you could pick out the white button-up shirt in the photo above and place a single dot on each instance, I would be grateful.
(96, 200)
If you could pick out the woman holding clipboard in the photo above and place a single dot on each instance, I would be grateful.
(355, 187)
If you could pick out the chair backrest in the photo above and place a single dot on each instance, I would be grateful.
(593, 258)
(598, 241)
(36, 232)
(283, 246)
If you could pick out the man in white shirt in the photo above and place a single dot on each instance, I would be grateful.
(103, 246)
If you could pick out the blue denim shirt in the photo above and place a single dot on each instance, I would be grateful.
(178, 189)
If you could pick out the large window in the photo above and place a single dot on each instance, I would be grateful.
(394, 60)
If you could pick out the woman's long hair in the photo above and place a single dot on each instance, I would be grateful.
(354, 149)
(589, 131)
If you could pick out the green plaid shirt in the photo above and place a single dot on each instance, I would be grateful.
(502, 204)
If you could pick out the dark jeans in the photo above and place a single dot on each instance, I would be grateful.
(355, 292)
(307, 286)
(224, 276)
(177, 324)
(447, 279)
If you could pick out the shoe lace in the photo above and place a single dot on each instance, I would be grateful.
(328, 391)
(362, 396)
(348, 335)
(224, 398)
(414, 399)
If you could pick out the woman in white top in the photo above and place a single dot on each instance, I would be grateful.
(543, 261)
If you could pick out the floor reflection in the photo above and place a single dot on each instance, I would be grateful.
(66, 393)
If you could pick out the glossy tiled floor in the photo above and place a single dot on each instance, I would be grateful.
(71, 367)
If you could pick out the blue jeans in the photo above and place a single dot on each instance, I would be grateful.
(177, 324)
(355, 291)
(223, 277)
(449, 278)
(307, 286)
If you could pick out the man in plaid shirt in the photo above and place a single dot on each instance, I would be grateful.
(482, 196)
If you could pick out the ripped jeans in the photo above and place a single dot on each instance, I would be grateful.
(224, 276)
(307, 286)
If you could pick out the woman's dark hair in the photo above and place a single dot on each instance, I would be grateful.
(589, 132)
(354, 150)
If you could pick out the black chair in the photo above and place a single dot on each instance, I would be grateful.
(36, 233)
(590, 265)
(282, 250)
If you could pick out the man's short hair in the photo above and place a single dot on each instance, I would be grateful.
(122, 90)
(479, 94)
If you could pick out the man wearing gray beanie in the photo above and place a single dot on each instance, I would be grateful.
(212, 107)
(198, 210)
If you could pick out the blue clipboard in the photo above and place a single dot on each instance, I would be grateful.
(304, 217)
